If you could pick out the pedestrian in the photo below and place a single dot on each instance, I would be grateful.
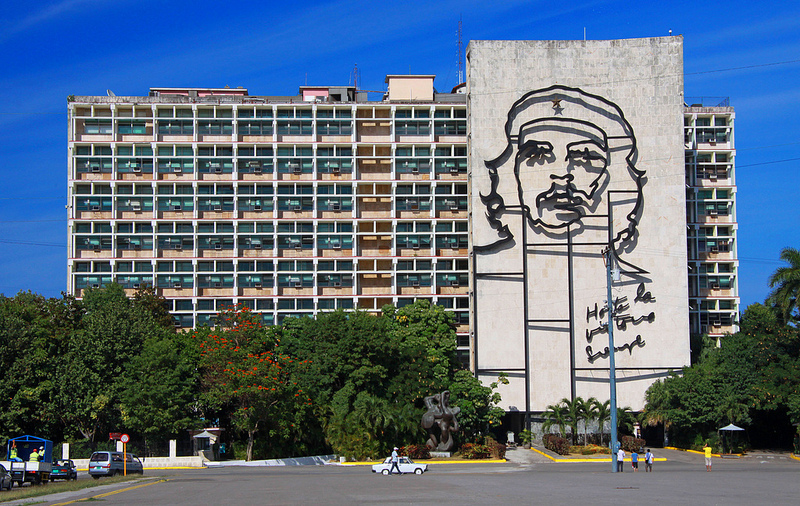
(707, 450)
(635, 461)
(620, 459)
(648, 461)
(395, 462)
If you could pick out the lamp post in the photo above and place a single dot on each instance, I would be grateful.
(612, 372)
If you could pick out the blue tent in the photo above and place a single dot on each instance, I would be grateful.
(26, 445)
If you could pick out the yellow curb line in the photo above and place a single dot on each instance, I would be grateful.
(604, 460)
(795, 457)
(159, 468)
(479, 461)
(699, 453)
(106, 494)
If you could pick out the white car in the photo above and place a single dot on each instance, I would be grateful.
(406, 465)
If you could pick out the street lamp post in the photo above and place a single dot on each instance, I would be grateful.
(612, 372)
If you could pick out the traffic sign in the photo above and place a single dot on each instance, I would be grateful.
(124, 438)
(114, 435)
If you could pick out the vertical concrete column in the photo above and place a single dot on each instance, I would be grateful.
(64, 450)
(173, 449)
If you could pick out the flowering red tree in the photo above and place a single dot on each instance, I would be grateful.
(243, 372)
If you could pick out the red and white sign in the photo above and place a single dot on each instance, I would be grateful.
(124, 438)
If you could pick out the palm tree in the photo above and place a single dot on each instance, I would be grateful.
(588, 412)
(602, 413)
(554, 415)
(625, 420)
(786, 284)
(572, 414)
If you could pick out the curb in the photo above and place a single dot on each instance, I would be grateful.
(603, 460)
(422, 461)
(699, 453)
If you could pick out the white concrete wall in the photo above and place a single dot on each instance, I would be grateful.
(644, 78)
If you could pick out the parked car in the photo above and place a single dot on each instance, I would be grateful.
(112, 464)
(406, 465)
(5, 478)
(64, 470)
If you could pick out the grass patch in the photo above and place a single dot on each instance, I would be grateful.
(55, 487)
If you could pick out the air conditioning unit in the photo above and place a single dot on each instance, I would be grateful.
(257, 170)
(714, 286)
(415, 245)
(415, 283)
(297, 170)
(256, 285)
(257, 207)
(218, 170)
(453, 170)
(254, 164)
(177, 246)
(176, 169)
(217, 284)
(256, 246)
(298, 284)
(337, 284)
(335, 169)
(415, 169)
(217, 208)
(177, 323)
(454, 283)
(712, 176)
(713, 212)
(95, 168)
(295, 208)
(96, 249)
(95, 285)
(335, 206)
(136, 206)
(95, 208)
(137, 247)
(336, 245)
(716, 324)
(137, 169)
(217, 246)
(176, 208)
(136, 286)
(714, 249)
(177, 285)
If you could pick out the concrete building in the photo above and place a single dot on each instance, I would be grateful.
(293, 205)
(287, 205)
(711, 215)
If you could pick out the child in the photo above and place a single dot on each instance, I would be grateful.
(635, 461)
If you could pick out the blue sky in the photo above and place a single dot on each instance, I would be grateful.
(748, 51)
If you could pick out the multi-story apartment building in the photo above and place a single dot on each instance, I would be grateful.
(287, 205)
(711, 216)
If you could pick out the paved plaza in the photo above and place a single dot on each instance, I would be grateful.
(527, 478)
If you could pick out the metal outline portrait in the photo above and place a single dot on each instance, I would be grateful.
(613, 135)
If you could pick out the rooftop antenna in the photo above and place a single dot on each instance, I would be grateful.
(354, 75)
(460, 54)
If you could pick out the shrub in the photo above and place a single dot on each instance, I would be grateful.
(630, 443)
(594, 450)
(556, 443)
(498, 450)
(416, 451)
(475, 451)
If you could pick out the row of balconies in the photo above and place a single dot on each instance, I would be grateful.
(364, 250)
(383, 210)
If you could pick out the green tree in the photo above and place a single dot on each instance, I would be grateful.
(478, 403)
(785, 282)
(159, 390)
(602, 413)
(555, 415)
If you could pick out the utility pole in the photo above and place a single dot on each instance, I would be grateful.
(608, 256)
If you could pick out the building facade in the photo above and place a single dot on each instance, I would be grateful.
(576, 149)
(711, 216)
(287, 205)
(497, 204)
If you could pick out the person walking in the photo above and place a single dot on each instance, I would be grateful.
(635, 461)
(648, 461)
(620, 459)
(395, 462)
(707, 450)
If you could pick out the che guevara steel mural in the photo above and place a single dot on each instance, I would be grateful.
(577, 190)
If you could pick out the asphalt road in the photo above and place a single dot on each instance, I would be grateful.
(757, 479)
